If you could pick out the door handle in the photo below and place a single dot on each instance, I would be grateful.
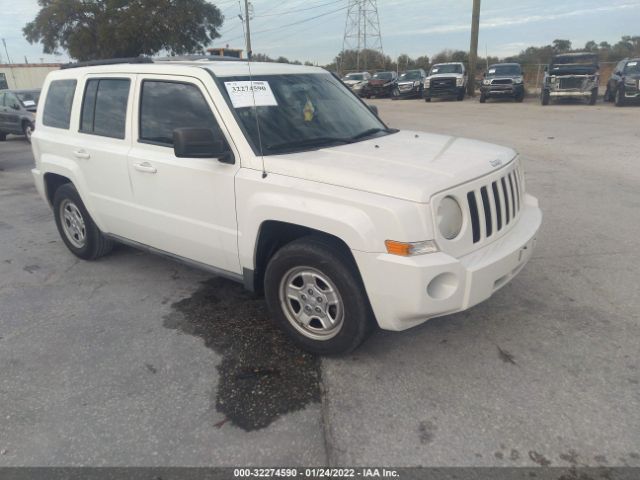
(82, 154)
(145, 167)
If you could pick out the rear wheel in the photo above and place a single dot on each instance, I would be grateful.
(27, 129)
(76, 227)
(315, 294)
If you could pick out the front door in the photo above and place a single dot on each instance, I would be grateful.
(184, 206)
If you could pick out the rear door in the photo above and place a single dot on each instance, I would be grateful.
(101, 144)
(184, 206)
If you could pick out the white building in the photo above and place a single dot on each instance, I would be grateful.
(25, 75)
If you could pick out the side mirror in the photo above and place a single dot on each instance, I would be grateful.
(194, 142)
(374, 109)
(15, 106)
(618, 72)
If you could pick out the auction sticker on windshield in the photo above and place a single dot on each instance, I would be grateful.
(248, 94)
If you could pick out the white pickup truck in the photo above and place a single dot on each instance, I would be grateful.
(279, 177)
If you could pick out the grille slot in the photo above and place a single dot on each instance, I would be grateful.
(494, 206)
(571, 83)
(502, 81)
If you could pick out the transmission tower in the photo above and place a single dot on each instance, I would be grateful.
(362, 30)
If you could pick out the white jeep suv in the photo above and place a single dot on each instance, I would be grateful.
(279, 177)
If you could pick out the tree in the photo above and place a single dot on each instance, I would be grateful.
(591, 46)
(561, 46)
(96, 29)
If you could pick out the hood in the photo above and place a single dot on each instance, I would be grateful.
(562, 70)
(408, 82)
(377, 81)
(407, 165)
(446, 75)
(502, 77)
(351, 83)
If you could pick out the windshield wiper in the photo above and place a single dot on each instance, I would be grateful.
(307, 142)
(372, 131)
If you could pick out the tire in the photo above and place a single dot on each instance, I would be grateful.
(460, 96)
(427, 99)
(325, 269)
(519, 98)
(607, 95)
(619, 98)
(3, 136)
(483, 98)
(395, 93)
(27, 130)
(594, 97)
(544, 99)
(76, 227)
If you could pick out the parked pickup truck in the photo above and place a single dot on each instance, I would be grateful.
(448, 80)
(281, 178)
(502, 80)
(571, 75)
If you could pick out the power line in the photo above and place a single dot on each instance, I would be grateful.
(300, 9)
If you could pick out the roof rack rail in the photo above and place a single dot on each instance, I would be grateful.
(197, 57)
(107, 61)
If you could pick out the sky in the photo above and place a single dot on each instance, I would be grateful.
(415, 27)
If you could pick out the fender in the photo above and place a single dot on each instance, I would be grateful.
(355, 217)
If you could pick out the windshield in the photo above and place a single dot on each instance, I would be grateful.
(383, 76)
(299, 112)
(632, 67)
(27, 97)
(575, 60)
(495, 70)
(411, 75)
(446, 68)
(354, 76)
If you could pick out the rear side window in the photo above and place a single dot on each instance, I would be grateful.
(57, 106)
(166, 106)
(104, 107)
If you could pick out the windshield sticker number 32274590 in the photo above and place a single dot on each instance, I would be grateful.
(248, 94)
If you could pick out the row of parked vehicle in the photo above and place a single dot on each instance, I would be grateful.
(571, 75)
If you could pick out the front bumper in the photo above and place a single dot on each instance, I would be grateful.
(377, 91)
(570, 93)
(407, 291)
(443, 92)
(502, 90)
(410, 91)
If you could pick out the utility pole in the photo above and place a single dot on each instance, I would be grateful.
(246, 18)
(361, 32)
(6, 51)
(473, 50)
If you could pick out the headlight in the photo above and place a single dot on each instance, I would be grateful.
(517, 80)
(486, 82)
(416, 83)
(449, 218)
(427, 83)
(552, 80)
(459, 81)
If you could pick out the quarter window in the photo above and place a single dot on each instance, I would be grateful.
(57, 106)
(166, 106)
(104, 107)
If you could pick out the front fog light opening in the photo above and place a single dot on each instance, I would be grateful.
(449, 218)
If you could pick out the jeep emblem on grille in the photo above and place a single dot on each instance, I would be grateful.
(496, 163)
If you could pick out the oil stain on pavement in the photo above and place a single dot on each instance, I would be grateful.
(262, 373)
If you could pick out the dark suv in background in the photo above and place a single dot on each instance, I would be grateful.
(624, 84)
(18, 112)
(502, 80)
(382, 84)
(411, 84)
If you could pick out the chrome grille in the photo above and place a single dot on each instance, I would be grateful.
(571, 83)
(494, 206)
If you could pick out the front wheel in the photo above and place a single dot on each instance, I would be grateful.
(460, 96)
(594, 97)
(483, 98)
(77, 229)
(544, 100)
(314, 293)
(427, 99)
(395, 93)
(619, 99)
